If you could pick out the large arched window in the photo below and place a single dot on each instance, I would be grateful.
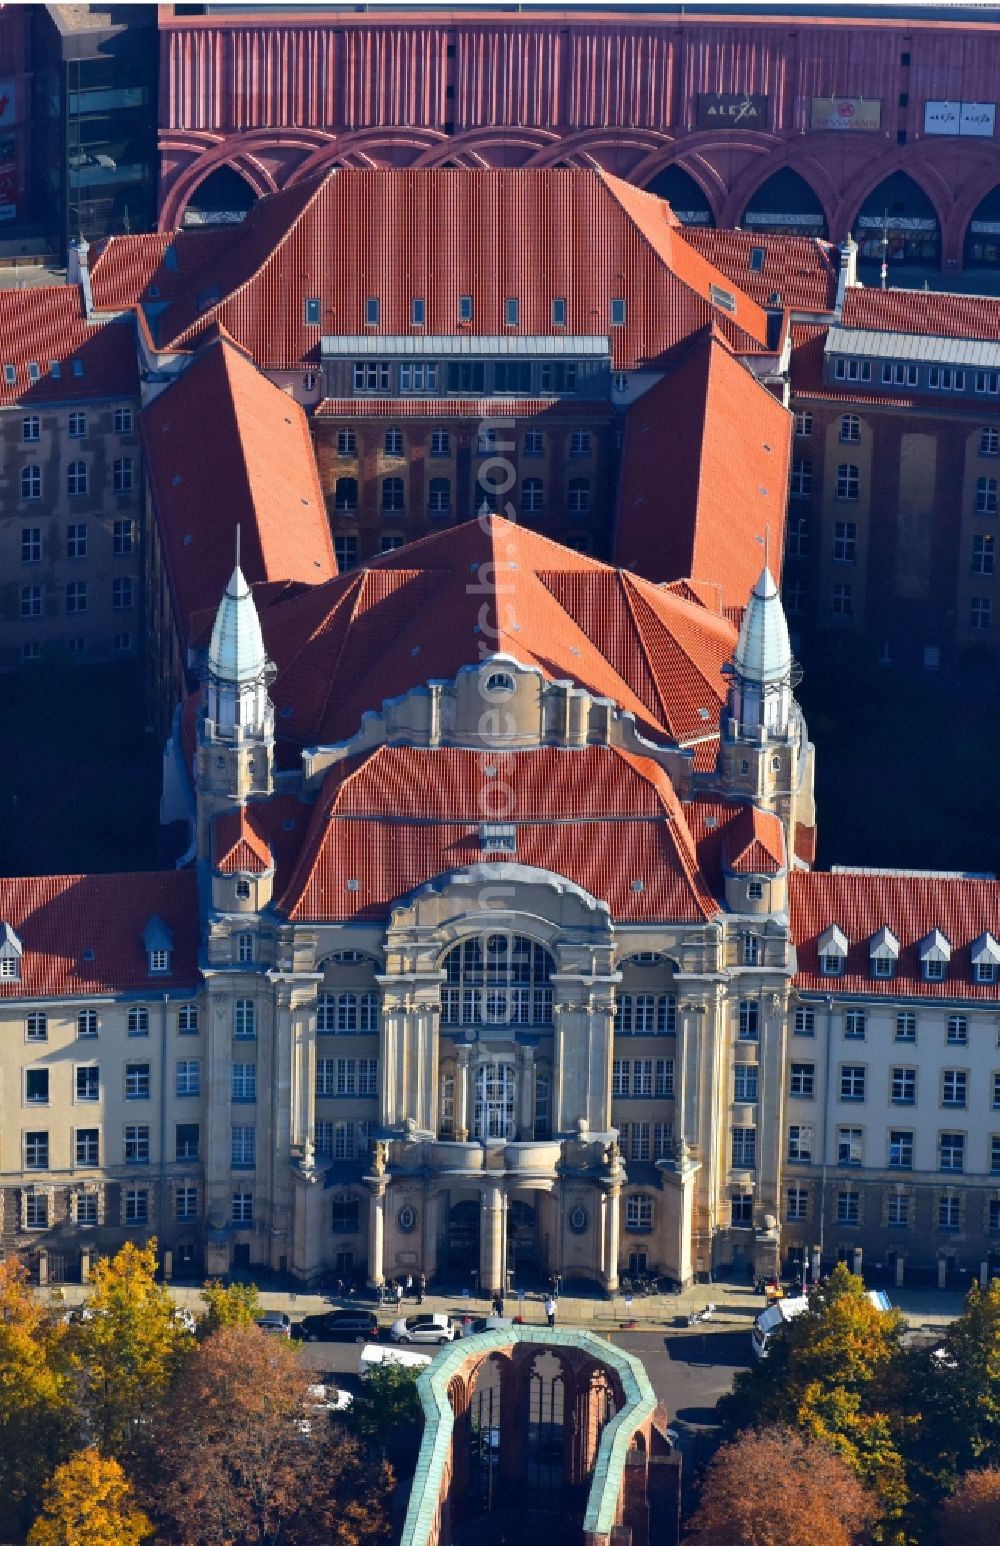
(495, 1097)
(497, 979)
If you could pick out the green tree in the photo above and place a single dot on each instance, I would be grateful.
(88, 1502)
(233, 1304)
(838, 1374)
(778, 1489)
(386, 1416)
(970, 1378)
(128, 1349)
(37, 1406)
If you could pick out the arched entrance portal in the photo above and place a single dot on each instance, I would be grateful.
(897, 221)
(785, 205)
(683, 194)
(982, 237)
(224, 198)
(462, 1244)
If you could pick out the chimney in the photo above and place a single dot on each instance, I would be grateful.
(78, 272)
(848, 276)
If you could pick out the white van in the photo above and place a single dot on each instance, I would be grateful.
(375, 1357)
(776, 1315)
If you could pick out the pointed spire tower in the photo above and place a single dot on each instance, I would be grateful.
(764, 752)
(236, 727)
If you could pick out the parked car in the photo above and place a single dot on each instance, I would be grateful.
(338, 1326)
(276, 1322)
(378, 1356)
(423, 1328)
(489, 1323)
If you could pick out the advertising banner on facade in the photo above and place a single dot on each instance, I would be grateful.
(846, 113)
(729, 110)
(8, 102)
(8, 177)
(972, 118)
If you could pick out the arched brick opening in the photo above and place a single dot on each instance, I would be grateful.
(787, 204)
(686, 195)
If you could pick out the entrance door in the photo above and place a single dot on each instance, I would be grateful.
(463, 1239)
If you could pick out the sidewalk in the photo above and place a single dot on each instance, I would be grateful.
(735, 1306)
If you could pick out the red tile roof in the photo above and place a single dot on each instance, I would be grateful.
(406, 815)
(47, 323)
(911, 906)
(225, 447)
(238, 847)
(755, 843)
(343, 648)
(534, 234)
(806, 373)
(704, 471)
(934, 312)
(59, 917)
(127, 270)
(802, 270)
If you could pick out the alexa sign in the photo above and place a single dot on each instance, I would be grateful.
(967, 118)
(846, 113)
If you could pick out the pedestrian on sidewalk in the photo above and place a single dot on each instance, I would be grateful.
(409, 1284)
(498, 1303)
(421, 1287)
(399, 1296)
(550, 1311)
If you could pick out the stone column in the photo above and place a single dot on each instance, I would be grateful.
(584, 1022)
(409, 1072)
(463, 1094)
(611, 1204)
(491, 1240)
(378, 1185)
(526, 1075)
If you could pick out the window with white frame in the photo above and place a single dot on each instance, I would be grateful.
(347, 1012)
(138, 1020)
(802, 1081)
(945, 378)
(898, 1210)
(495, 1089)
(497, 979)
(951, 1151)
(136, 1146)
(579, 442)
(646, 1014)
(900, 1149)
(989, 439)
(852, 1081)
(848, 481)
(31, 601)
(31, 544)
(87, 1082)
(578, 496)
(187, 1080)
(245, 947)
(796, 1204)
(986, 495)
(664, 1083)
(903, 1086)
(123, 538)
(906, 1025)
(185, 1203)
(347, 441)
(745, 1082)
(123, 421)
(980, 613)
(949, 1214)
(31, 482)
(848, 1207)
(87, 1147)
(850, 1145)
(855, 1024)
(805, 1021)
(244, 1019)
(801, 484)
(995, 1154)
(800, 1143)
(36, 1026)
(393, 443)
(744, 1148)
(640, 1144)
(749, 1020)
(122, 600)
(86, 1022)
(343, 1140)
(370, 376)
(244, 1081)
(803, 424)
(842, 603)
(244, 1146)
(638, 1213)
(439, 496)
(242, 1209)
(76, 479)
(135, 1205)
(954, 1087)
(852, 370)
(122, 474)
(137, 1081)
(533, 443)
(663, 1140)
(36, 1210)
(31, 428)
(899, 375)
(850, 428)
(845, 542)
(417, 378)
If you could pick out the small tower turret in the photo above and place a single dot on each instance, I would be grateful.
(765, 755)
(236, 728)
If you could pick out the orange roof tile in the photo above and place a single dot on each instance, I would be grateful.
(406, 815)
(152, 268)
(534, 234)
(911, 906)
(755, 843)
(47, 323)
(343, 648)
(226, 448)
(82, 934)
(704, 471)
(239, 848)
(459, 407)
(802, 270)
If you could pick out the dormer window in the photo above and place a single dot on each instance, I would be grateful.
(500, 681)
(243, 890)
(935, 953)
(755, 891)
(884, 953)
(832, 946)
(158, 941)
(498, 837)
(985, 954)
(11, 951)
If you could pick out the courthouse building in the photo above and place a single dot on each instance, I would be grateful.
(499, 953)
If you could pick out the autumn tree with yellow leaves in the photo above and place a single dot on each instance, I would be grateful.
(38, 1415)
(88, 1502)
